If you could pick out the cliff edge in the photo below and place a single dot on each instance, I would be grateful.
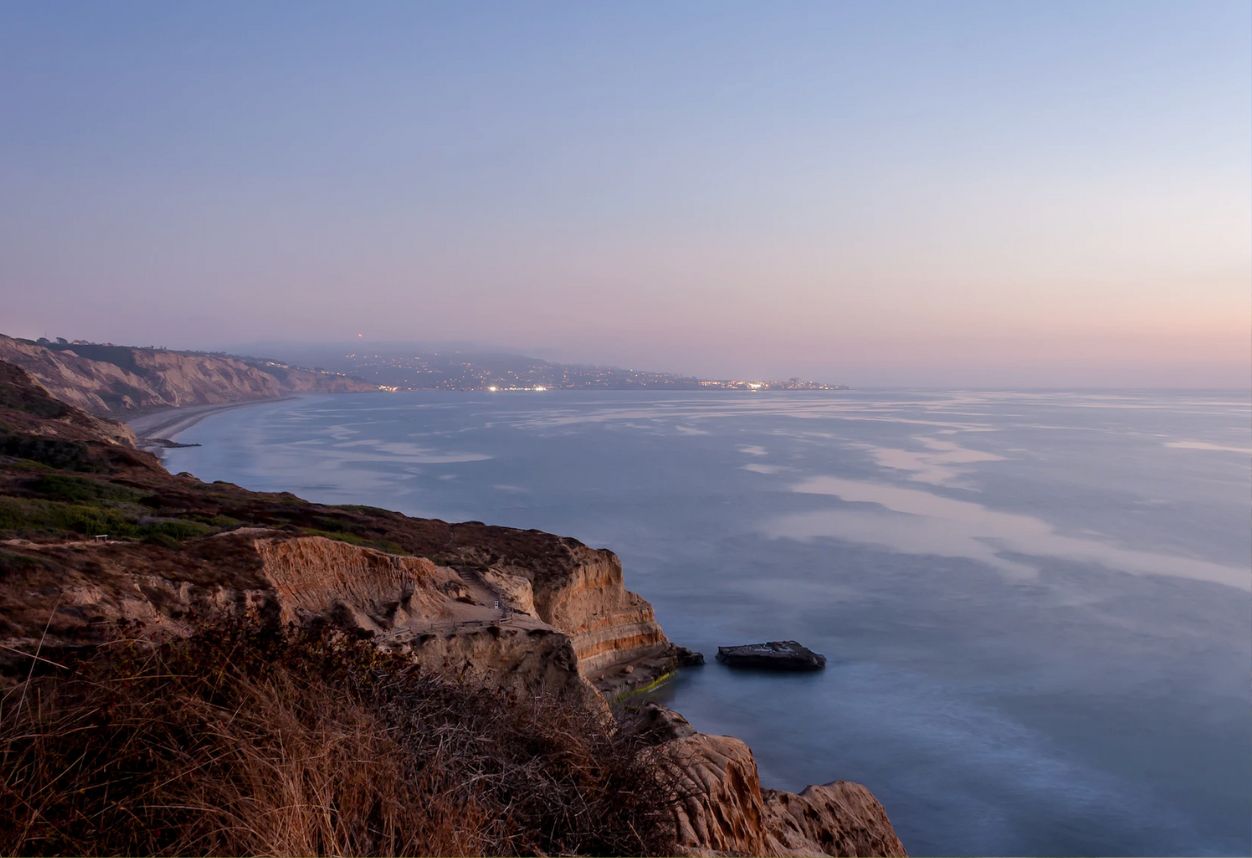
(96, 537)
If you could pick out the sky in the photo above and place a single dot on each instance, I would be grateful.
(899, 193)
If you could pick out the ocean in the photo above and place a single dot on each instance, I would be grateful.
(1036, 606)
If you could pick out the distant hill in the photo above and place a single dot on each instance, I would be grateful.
(407, 366)
(110, 379)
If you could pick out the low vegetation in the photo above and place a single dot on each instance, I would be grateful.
(74, 489)
(53, 452)
(252, 741)
(37, 518)
(58, 506)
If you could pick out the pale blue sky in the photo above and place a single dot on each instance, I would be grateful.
(884, 193)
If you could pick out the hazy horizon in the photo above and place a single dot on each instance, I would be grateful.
(961, 194)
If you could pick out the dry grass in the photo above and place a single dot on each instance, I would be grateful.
(245, 742)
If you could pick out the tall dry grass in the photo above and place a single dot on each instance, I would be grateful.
(249, 741)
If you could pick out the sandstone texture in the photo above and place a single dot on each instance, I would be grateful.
(525, 612)
(724, 810)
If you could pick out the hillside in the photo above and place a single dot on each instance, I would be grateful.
(120, 380)
(163, 630)
(409, 366)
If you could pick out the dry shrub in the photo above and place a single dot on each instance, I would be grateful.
(244, 742)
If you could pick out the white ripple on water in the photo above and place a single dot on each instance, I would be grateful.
(1209, 446)
(920, 522)
(939, 464)
(407, 452)
(757, 468)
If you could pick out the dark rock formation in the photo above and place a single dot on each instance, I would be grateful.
(688, 657)
(772, 655)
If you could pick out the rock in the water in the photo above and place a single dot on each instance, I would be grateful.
(772, 655)
(688, 657)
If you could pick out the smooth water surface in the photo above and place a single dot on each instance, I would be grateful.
(1035, 606)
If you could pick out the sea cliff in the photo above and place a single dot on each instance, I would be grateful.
(97, 539)
(121, 380)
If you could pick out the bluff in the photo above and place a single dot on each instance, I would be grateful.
(116, 380)
(96, 538)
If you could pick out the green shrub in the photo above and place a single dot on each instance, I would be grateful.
(63, 487)
(54, 452)
(176, 529)
(37, 517)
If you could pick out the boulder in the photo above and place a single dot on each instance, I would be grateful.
(772, 655)
(688, 657)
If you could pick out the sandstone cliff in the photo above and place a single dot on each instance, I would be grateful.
(105, 379)
(724, 810)
(571, 587)
(408, 604)
(96, 537)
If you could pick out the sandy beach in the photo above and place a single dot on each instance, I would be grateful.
(166, 423)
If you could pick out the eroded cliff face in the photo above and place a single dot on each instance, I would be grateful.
(452, 624)
(120, 379)
(522, 611)
(409, 604)
(313, 577)
(724, 810)
(582, 593)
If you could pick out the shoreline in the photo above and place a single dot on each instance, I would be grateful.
(164, 424)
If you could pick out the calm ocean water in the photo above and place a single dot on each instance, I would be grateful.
(1036, 606)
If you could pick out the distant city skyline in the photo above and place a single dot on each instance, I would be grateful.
(957, 194)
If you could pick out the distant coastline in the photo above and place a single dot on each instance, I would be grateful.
(164, 424)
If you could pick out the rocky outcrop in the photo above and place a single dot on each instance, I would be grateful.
(573, 588)
(359, 588)
(772, 655)
(442, 620)
(723, 809)
(409, 604)
(840, 818)
(106, 379)
(581, 592)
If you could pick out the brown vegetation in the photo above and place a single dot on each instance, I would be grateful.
(244, 741)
